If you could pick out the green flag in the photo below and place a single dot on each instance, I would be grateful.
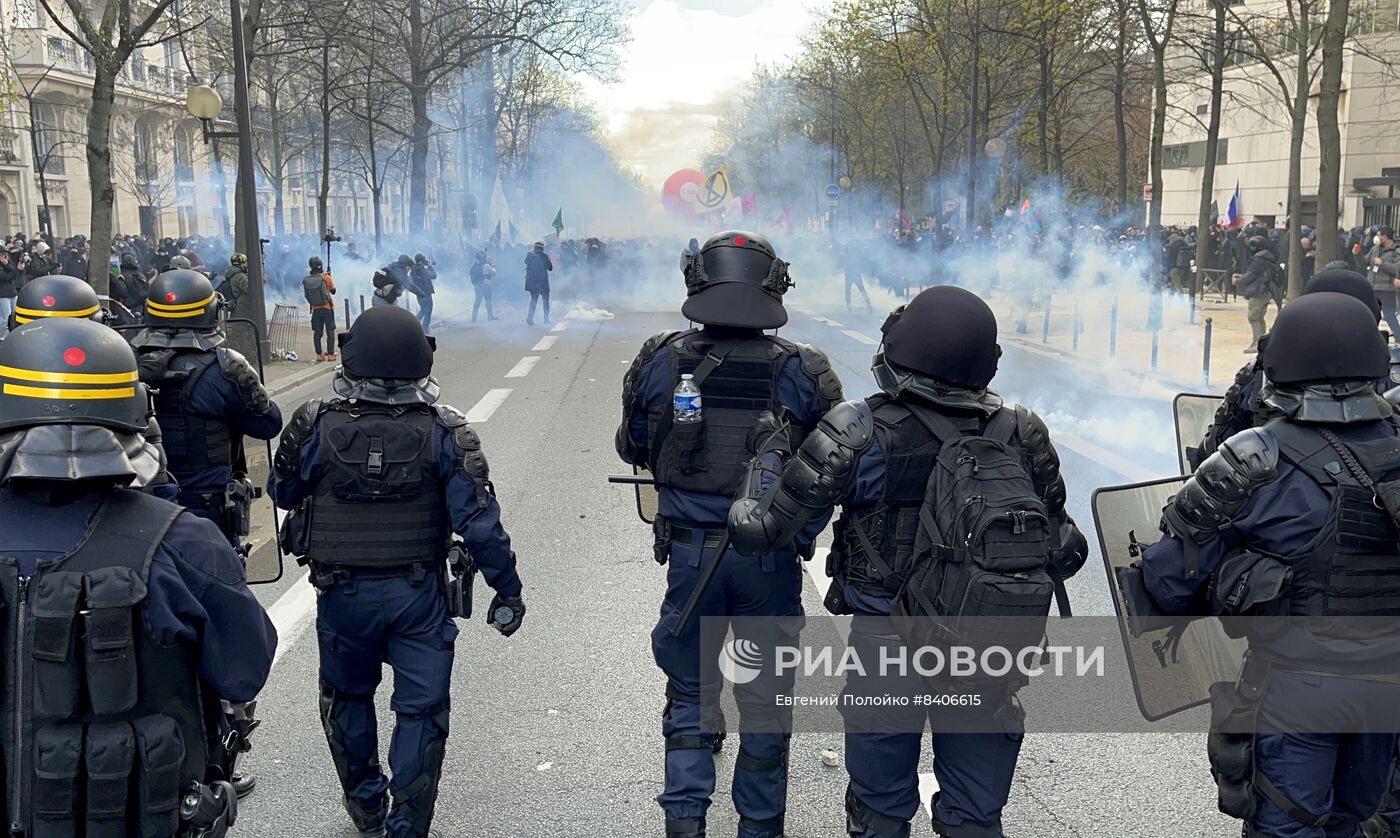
(559, 222)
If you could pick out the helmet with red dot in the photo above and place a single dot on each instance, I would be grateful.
(182, 299)
(70, 371)
(56, 296)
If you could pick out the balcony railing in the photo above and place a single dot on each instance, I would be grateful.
(64, 55)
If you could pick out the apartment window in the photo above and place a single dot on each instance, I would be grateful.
(1193, 155)
(184, 164)
(143, 152)
(1202, 110)
(47, 138)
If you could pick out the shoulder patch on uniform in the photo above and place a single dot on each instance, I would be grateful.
(817, 365)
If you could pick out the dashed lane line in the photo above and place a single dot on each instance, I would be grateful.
(546, 343)
(523, 366)
(560, 326)
(489, 403)
(860, 337)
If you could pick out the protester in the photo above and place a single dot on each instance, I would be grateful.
(537, 268)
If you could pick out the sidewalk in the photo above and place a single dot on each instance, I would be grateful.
(1182, 363)
(282, 375)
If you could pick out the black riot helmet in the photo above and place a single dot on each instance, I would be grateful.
(947, 333)
(1345, 281)
(70, 371)
(385, 357)
(315, 264)
(182, 299)
(735, 280)
(1325, 337)
(405, 260)
(56, 296)
(1257, 243)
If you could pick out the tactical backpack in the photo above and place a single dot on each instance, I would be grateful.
(982, 552)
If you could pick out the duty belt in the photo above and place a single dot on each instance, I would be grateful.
(683, 534)
(325, 575)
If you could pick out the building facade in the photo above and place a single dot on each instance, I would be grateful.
(1255, 130)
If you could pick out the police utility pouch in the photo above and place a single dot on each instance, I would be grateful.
(291, 536)
(54, 607)
(109, 752)
(1234, 710)
(1250, 584)
(111, 595)
(159, 754)
(58, 756)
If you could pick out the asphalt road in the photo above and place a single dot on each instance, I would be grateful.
(556, 731)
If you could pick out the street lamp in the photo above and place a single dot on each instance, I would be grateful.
(205, 104)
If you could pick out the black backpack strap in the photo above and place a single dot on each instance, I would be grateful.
(943, 429)
(1004, 424)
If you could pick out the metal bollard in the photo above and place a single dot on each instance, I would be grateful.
(347, 313)
(1045, 326)
(362, 304)
(1205, 359)
(1113, 330)
(1077, 325)
(1192, 321)
(1156, 335)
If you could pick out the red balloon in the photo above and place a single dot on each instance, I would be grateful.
(678, 193)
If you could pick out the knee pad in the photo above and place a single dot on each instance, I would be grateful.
(336, 735)
(863, 821)
(417, 800)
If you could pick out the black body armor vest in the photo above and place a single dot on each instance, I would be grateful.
(379, 502)
(1353, 566)
(738, 380)
(887, 529)
(193, 443)
(106, 725)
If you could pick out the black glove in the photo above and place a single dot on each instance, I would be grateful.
(506, 615)
(1073, 552)
(773, 433)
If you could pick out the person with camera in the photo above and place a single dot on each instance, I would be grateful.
(319, 289)
(482, 272)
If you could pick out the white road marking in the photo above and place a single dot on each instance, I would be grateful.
(290, 615)
(860, 337)
(482, 410)
(1109, 460)
(928, 786)
(523, 366)
(546, 343)
(560, 326)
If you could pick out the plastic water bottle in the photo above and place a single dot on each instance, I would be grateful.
(686, 401)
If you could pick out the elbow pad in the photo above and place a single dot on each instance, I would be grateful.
(812, 481)
(236, 368)
(286, 464)
(1222, 486)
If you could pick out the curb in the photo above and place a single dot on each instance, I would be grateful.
(295, 380)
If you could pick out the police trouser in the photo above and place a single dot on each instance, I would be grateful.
(1287, 779)
(744, 586)
(211, 508)
(362, 621)
(975, 748)
(323, 323)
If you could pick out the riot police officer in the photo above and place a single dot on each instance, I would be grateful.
(208, 397)
(1292, 525)
(56, 295)
(876, 459)
(735, 286)
(1243, 406)
(381, 478)
(115, 742)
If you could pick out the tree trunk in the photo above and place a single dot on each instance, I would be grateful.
(277, 175)
(1295, 174)
(1329, 133)
(1217, 79)
(1159, 126)
(422, 123)
(99, 160)
(324, 196)
(1043, 94)
(1120, 115)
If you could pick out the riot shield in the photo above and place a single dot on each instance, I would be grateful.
(1173, 661)
(263, 559)
(644, 488)
(1194, 412)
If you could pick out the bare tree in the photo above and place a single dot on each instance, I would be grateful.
(1158, 17)
(1329, 133)
(111, 38)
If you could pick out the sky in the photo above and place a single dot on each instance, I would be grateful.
(686, 59)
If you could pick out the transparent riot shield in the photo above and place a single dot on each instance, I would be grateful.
(644, 489)
(263, 553)
(1173, 660)
(1194, 414)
